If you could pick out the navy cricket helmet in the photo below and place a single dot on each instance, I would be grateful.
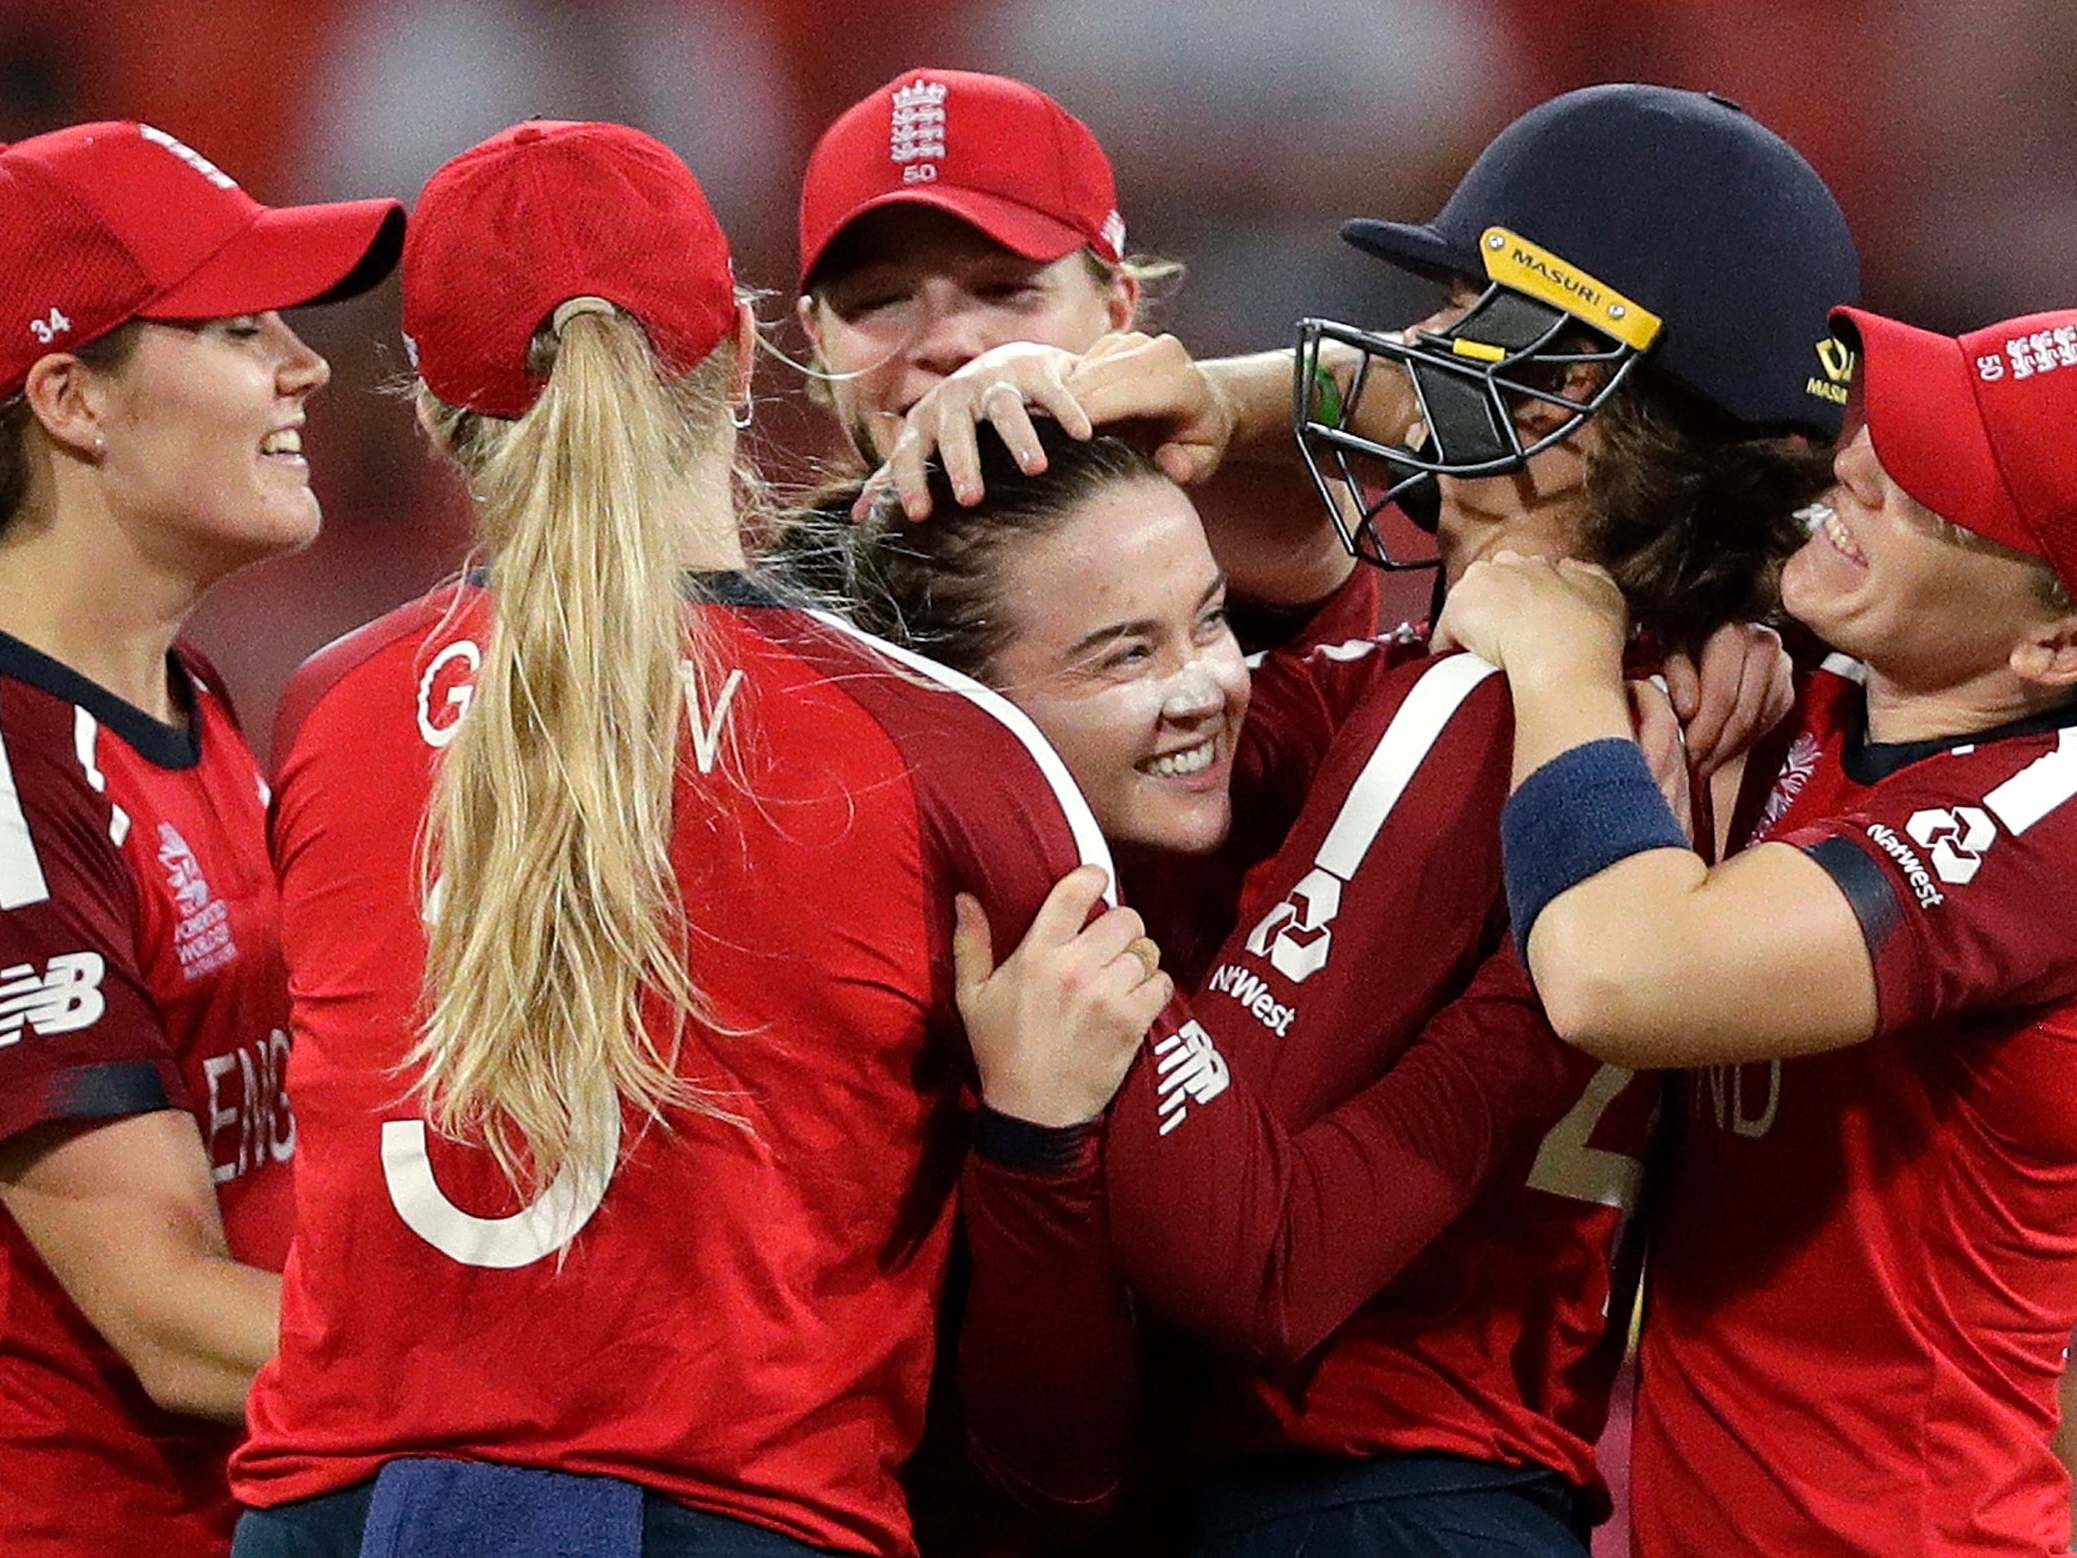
(1620, 225)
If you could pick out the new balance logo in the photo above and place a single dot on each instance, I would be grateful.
(64, 998)
(1956, 838)
(1253, 995)
(1191, 1070)
(1294, 935)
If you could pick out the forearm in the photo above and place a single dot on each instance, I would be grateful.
(1048, 1352)
(124, 1214)
(1262, 513)
(198, 1341)
(1263, 1240)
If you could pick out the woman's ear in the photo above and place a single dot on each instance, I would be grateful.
(2047, 656)
(746, 353)
(70, 401)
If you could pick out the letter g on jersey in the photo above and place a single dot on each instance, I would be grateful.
(1956, 839)
(1294, 935)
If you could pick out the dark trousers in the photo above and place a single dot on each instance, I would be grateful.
(1405, 1506)
(330, 1527)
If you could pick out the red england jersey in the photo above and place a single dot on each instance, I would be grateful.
(744, 1318)
(1386, 1182)
(1867, 1270)
(140, 969)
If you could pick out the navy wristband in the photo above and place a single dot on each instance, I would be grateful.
(1577, 815)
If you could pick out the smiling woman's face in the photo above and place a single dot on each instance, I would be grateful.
(204, 427)
(1122, 656)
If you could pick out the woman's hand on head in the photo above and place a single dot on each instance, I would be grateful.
(1533, 614)
(1153, 381)
(1001, 387)
(1055, 1027)
(1147, 382)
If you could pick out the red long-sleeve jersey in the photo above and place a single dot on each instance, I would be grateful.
(1383, 1188)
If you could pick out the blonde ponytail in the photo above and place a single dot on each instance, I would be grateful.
(560, 936)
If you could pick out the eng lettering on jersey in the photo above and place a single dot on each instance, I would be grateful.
(445, 690)
(249, 1122)
(1191, 1071)
(202, 929)
(1254, 996)
(63, 998)
(533, 1233)
(1743, 1099)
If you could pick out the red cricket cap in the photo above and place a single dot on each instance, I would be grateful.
(1978, 427)
(991, 151)
(547, 211)
(114, 221)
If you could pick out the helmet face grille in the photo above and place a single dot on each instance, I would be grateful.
(1466, 383)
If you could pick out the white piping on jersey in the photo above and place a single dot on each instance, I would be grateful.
(1081, 821)
(84, 730)
(21, 873)
(1408, 739)
(2037, 789)
(1846, 666)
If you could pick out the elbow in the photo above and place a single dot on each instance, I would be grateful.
(1589, 992)
(175, 1384)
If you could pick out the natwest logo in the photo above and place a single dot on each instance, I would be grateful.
(1252, 992)
(1914, 870)
(1957, 839)
(1294, 935)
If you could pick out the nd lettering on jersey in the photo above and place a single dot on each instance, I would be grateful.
(1743, 1099)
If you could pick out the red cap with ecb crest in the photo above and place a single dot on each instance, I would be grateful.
(991, 151)
(1979, 428)
(547, 211)
(104, 223)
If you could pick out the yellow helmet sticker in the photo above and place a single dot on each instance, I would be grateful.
(1514, 261)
